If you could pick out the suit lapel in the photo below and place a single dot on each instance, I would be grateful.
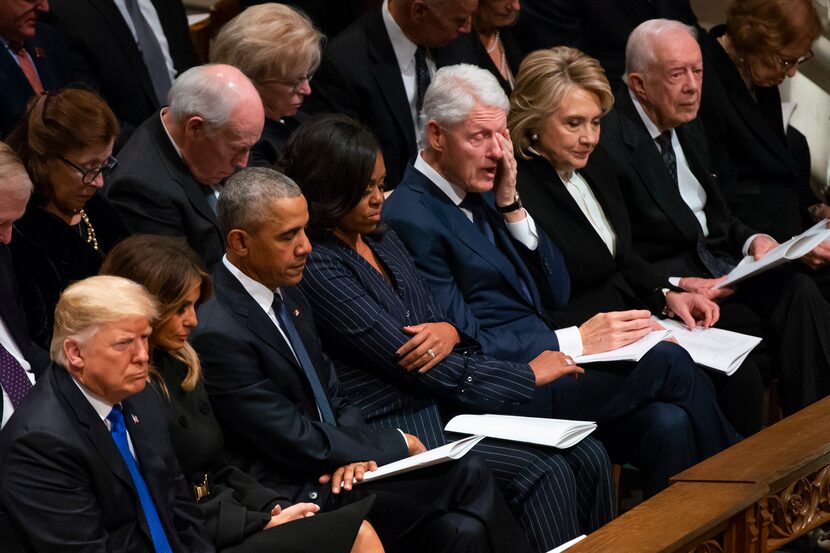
(387, 74)
(8, 66)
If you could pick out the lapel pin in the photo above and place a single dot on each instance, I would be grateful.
(135, 419)
(296, 312)
(39, 53)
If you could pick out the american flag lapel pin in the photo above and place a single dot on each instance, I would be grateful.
(39, 53)
(296, 312)
(135, 418)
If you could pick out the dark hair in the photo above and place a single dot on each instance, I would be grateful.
(765, 27)
(57, 123)
(331, 159)
(168, 268)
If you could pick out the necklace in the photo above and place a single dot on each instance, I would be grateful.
(504, 68)
(90, 231)
(495, 43)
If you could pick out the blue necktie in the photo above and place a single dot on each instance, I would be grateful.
(119, 435)
(305, 361)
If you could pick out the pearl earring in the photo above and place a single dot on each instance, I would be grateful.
(534, 137)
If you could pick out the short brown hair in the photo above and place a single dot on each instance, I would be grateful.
(544, 79)
(269, 41)
(57, 123)
(765, 27)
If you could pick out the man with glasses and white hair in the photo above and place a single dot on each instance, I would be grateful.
(87, 461)
(498, 279)
(170, 172)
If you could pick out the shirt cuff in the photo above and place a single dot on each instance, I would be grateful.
(570, 341)
(405, 441)
(525, 231)
(745, 248)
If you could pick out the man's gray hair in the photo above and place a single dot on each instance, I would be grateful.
(14, 180)
(210, 91)
(640, 49)
(245, 200)
(455, 90)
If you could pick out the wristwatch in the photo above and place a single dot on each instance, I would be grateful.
(667, 312)
(516, 205)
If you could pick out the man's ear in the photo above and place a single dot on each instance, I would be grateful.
(636, 83)
(195, 124)
(238, 242)
(74, 357)
(436, 136)
(417, 11)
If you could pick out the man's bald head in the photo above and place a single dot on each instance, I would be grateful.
(15, 189)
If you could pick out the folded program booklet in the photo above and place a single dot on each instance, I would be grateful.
(714, 348)
(550, 432)
(631, 352)
(448, 452)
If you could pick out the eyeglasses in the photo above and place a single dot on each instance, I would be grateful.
(788, 63)
(88, 176)
(293, 85)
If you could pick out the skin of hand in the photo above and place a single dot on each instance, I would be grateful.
(760, 246)
(438, 337)
(345, 476)
(706, 287)
(505, 187)
(609, 331)
(819, 257)
(294, 512)
(693, 309)
(819, 211)
(550, 365)
(414, 445)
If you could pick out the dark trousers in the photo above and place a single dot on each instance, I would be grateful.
(660, 414)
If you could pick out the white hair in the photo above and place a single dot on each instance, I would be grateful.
(210, 91)
(640, 49)
(456, 90)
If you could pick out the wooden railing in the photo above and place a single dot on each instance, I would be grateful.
(752, 498)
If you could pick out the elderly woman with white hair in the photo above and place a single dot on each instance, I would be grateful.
(86, 458)
(279, 49)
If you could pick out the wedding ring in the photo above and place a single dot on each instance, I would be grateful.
(432, 353)
(568, 362)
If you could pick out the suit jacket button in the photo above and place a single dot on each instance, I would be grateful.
(312, 495)
(204, 407)
(469, 379)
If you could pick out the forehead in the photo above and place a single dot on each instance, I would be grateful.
(123, 327)
(579, 100)
(485, 118)
(12, 205)
(460, 9)
(676, 49)
(287, 213)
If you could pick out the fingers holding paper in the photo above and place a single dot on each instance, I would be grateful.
(760, 245)
(819, 257)
(550, 365)
(706, 287)
(345, 476)
(693, 309)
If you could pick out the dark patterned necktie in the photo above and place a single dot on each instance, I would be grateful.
(422, 78)
(667, 153)
(13, 377)
(150, 52)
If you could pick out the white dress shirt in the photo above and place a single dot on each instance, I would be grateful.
(405, 54)
(102, 408)
(584, 197)
(11, 346)
(570, 341)
(152, 17)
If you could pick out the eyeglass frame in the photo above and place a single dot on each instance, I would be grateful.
(104, 169)
(293, 85)
(787, 64)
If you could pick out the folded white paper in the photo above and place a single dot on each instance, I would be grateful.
(632, 352)
(533, 430)
(448, 452)
(714, 348)
(795, 247)
(568, 545)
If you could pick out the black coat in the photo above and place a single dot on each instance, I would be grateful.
(64, 481)
(49, 255)
(275, 135)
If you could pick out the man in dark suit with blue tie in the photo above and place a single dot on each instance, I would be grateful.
(285, 415)
(33, 58)
(497, 279)
(86, 460)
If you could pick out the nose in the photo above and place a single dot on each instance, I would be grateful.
(467, 26)
(791, 71)
(304, 247)
(241, 160)
(142, 354)
(42, 6)
(98, 181)
(515, 6)
(305, 87)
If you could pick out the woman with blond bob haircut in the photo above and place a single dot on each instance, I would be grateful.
(279, 49)
(240, 514)
(556, 108)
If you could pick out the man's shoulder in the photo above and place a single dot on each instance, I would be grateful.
(45, 411)
(357, 36)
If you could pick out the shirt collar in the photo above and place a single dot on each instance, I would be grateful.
(403, 47)
(101, 406)
(167, 132)
(652, 129)
(454, 193)
(262, 295)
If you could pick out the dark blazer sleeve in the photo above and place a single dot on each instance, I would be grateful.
(344, 308)
(145, 206)
(242, 383)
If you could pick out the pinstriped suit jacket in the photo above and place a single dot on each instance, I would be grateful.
(360, 314)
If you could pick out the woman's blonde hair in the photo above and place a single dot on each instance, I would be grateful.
(87, 304)
(269, 41)
(544, 79)
(169, 269)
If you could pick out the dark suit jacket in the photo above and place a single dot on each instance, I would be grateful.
(360, 315)
(105, 56)
(664, 230)
(14, 317)
(51, 59)
(64, 482)
(359, 76)
(264, 402)
(155, 193)
(764, 173)
(49, 255)
(474, 283)
(599, 281)
(275, 134)
(600, 28)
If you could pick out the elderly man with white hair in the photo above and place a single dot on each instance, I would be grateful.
(86, 461)
(499, 280)
(658, 150)
(171, 170)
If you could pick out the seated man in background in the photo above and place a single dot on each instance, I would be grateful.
(170, 172)
(496, 278)
(284, 413)
(87, 460)
(679, 220)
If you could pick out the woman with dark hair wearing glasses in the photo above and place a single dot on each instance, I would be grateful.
(65, 141)
(763, 165)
